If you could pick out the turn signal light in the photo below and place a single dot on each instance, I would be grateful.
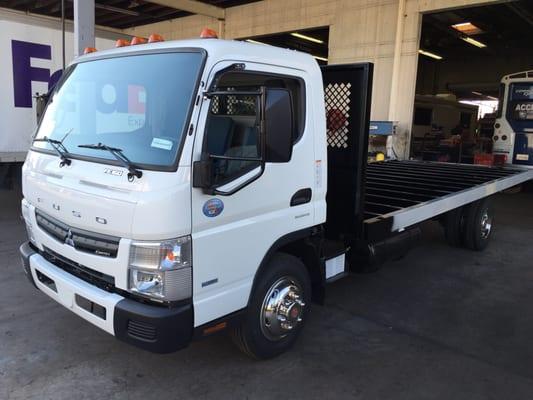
(88, 50)
(215, 328)
(208, 33)
(138, 40)
(122, 43)
(155, 37)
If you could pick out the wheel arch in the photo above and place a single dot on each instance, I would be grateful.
(304, 244)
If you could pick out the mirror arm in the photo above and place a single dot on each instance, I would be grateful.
(214, 191)
(262, 125)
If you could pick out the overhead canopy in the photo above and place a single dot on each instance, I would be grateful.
(121, 14)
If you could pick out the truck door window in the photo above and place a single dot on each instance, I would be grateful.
(233, 120)
(233, 132)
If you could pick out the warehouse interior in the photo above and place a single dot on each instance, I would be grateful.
(464, 53)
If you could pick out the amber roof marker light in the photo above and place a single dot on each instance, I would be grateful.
(138, 40)
(208, 33)
(122, 43)
(155, 37)
(89, 50)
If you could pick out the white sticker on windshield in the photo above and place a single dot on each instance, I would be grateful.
(162, 143)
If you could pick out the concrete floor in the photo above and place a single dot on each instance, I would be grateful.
(441, 323)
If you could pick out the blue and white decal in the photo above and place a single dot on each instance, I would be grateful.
(213, 207)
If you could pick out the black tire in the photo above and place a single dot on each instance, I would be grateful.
(249, 336)
(453, 227)
(361, 261)
(476, 236)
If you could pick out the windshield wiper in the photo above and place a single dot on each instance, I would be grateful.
(119, 155)
(59, 148)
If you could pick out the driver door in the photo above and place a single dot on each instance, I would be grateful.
(233, 232)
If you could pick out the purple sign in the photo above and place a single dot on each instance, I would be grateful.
(24, 74)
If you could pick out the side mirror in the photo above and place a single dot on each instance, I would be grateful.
(202, 174)
(279, 126)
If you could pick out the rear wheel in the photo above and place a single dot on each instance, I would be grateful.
(453, 227)
(479, 221)
(277, 310)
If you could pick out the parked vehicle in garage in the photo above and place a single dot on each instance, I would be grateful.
(164, 207)
(513, 129)
(31, 55)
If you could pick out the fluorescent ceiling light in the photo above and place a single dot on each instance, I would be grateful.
(474, 42)
(321, 58)
(477, 93)
(429, 54)
(468, 28)
(255, 41)
(305, 37)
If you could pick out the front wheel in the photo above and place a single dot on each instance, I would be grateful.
(277, 309)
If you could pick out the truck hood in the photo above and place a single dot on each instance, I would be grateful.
(99, 198)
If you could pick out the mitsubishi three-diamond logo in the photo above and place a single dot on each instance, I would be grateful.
(68, 240)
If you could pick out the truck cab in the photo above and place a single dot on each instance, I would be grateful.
(171, 187)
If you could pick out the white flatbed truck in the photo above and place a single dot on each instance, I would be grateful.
(178, 189)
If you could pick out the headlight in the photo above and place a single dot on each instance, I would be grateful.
(161, 270)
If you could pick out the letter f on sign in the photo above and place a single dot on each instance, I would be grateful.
(23, 73)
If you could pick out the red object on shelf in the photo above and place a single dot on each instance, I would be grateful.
(500, 159)
(484, 159)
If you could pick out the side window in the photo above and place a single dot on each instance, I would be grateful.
(233, 132)
(233, 122)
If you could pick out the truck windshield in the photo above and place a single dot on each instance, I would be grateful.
(137, 103)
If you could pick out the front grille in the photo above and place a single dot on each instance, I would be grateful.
(82, 240)
(98, 279)
(142, 330)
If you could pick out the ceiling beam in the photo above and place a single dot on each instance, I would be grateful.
(194, 7)
(520, 12)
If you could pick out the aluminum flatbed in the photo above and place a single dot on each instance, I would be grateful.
(400, 194)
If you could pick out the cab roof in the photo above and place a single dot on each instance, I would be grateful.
(217, 49)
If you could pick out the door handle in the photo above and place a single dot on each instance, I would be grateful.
(302, 196)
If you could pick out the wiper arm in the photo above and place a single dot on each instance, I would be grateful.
(119, 155)
(59, 148)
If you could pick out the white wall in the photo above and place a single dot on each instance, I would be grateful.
(360, 31)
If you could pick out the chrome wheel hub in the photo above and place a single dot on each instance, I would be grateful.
(486, 225)
(282, 308)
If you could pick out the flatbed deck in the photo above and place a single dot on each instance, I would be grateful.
(399, 194)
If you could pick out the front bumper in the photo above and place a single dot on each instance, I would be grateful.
(153, 328)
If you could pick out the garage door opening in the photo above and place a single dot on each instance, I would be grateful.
(312, 41)
(464, 54)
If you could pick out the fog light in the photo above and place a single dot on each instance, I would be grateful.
(161, 270)
(146, 282)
